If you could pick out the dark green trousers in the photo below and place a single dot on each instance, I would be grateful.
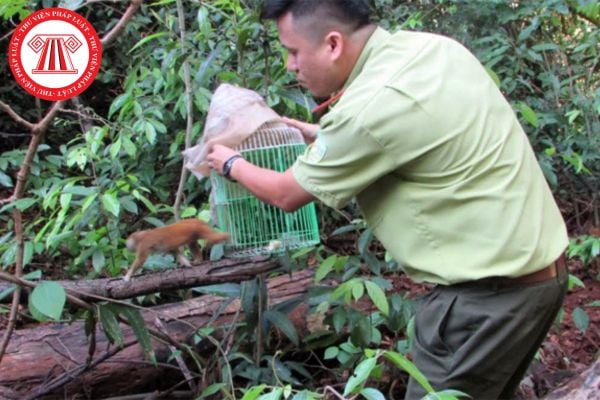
(480, 338)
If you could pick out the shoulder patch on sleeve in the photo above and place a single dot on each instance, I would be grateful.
(316, 151)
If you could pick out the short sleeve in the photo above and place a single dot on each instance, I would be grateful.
(343, 160)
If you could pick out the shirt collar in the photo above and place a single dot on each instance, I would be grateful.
(377, 37)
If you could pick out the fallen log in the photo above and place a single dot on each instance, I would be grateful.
(38, 355)
(584, 386)
(207, 273)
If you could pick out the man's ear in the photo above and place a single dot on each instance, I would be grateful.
(334, 41)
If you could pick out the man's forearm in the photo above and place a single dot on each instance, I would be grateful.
(276, 188)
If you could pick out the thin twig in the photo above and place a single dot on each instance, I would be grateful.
(334, 392)
(12, 319)
(13, 114)
(71, 374)
(14, 134)
(68, 354)
(38, 131)
(189, 106)
(22, 282)
(146, 363)
(182, 366)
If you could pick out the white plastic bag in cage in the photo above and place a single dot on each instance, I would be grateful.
(234, 114)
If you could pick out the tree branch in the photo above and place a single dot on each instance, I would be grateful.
(12, 113)
(112, 34)
(12, 319)
(38, 131)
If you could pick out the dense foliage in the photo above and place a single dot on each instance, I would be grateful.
(112, 158)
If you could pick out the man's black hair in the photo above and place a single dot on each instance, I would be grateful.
(354, 13)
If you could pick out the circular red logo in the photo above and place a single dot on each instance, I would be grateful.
(55, 54)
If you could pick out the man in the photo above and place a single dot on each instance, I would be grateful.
(443, 174)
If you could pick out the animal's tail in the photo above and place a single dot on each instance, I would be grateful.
(130, 243)
(217, 237)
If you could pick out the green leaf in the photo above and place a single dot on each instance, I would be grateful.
(377, 296)
(325, 267)
(129, 205)
(331, 353)
(49, 299)
(139, 329)
(150, 132)
(24, 203)
(302, 252)
(305, 395)
(494, 76)
(224, 289)
(339, 319)
(372, 394)
(276, 394)
(129, 146)
(546, 47)
(34, 275)
(362, 331)
(358, 289)
(574, 281)
(212, 389)
(115, 148)
(111, 204)
(365, 240)
(110, 325)
(282, 322)
(27, 252)
(345, 290)
(80, 190)
(360, 376)
(35, 313)
(162, 3)
(348, 347)
(525, 33)
(448, 394)
(254, 392)
(119, 102)
(529, 115)
(572, 115)
(89, 325)
(249, 300)
(147, 39)
(402, 362)
(344, 229)
(581, 319)
(65, 200)
(5, 180)
(98, 260)
(189, 212)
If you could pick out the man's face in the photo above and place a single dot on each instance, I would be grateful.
(309, 58)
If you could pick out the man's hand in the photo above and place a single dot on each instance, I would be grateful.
(276, 188)
(217, 155)
(309, 131)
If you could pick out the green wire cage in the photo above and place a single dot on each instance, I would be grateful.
(257, 228)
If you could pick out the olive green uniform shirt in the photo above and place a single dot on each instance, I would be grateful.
(437, 161)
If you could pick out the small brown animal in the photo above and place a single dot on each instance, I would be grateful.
(172, 238)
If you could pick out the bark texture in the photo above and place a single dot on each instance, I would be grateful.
(36, 356)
